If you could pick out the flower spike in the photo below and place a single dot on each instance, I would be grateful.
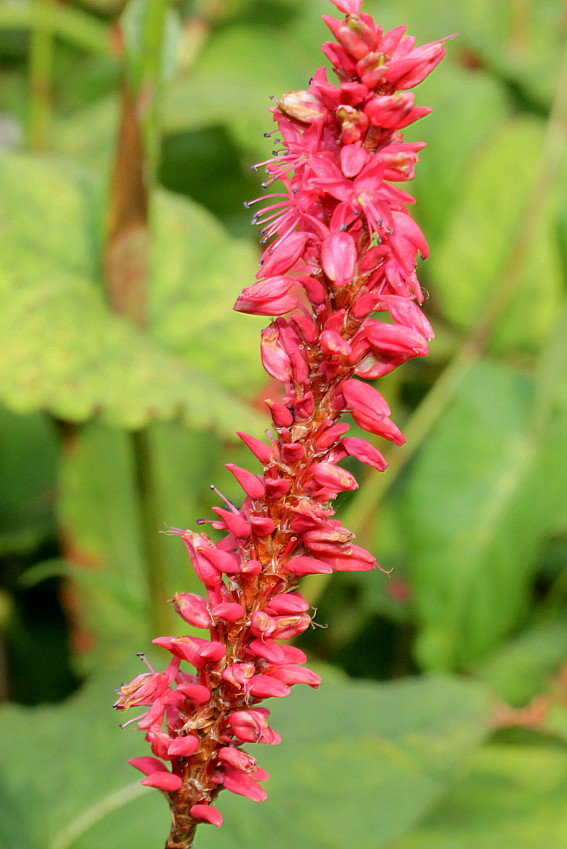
(341, 250)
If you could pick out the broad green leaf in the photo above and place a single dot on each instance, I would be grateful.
(474, 522)
(87, 135)
(198, 274)
(65, 352)
(360, 762)
(513, 796)
(481, 241)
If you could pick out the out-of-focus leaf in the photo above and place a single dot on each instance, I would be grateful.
(467, 108)
(99, 515)
(334, 779)
(523, 667)
(64, 351)
(523, 42)
(70, 23)
(512, 796)
(199, 273)
(28, 459)
(474, 522)
(520, 42)
(87, 135)
(403, 744)
(476, 250)
(232, 82)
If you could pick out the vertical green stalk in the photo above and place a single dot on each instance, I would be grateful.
(40, 75)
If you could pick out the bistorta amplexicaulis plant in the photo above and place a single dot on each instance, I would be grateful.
(342, 248)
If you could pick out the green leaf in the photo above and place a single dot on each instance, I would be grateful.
(28, 462)
(359, 762)
(481, 239)
(473, 524)
(523, 667)
(72, 24)
(232, 81)
(466, 110)
(198, 274)
(512, 796)
(66, 352)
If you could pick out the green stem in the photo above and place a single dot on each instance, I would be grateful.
(41, 75)
(361, 512)
(150, 92)
(152, 522)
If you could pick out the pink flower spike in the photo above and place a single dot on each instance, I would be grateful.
(166, 781)
(249, 482)
(148, 765)
(183, 746)
(339, 247)
(206, 813)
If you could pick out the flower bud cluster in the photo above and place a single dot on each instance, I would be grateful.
(338, 279)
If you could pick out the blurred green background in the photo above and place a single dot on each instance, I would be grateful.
(442, 720)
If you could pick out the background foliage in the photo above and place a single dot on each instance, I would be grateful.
(113, 428)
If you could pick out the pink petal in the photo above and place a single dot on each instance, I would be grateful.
(248, 481)
(183, 746)
(166, 781)
(338, 257)
(148, 765)
(206, 813)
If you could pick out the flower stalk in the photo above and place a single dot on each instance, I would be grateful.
(338, 280)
